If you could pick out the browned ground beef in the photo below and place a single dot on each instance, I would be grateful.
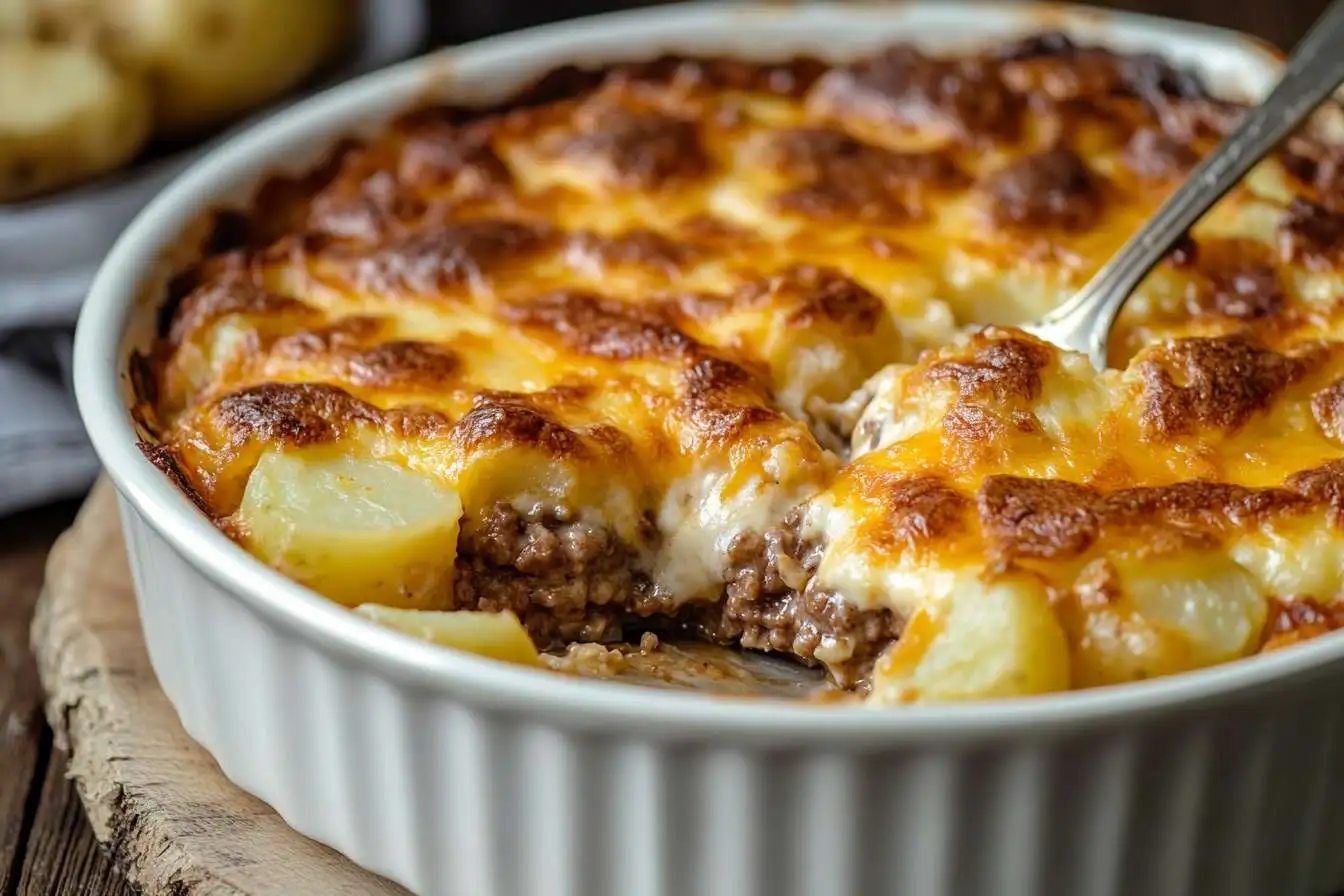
(764, 608)
(571, 581)
(565, 579)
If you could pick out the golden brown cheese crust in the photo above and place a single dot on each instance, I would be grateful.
(839, 177)
(1047, 190)
(1213, 383)
(1200, 442)
(1313, 235)
(1057, 520)
(904, 88)
(631, 280)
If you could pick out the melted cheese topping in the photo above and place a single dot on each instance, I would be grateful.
(1164, 509)
(635, 320)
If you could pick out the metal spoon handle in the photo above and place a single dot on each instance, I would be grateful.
(1310, 75)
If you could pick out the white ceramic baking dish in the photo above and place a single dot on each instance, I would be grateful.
(456, 775)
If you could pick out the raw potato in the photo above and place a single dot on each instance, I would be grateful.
(990, 640)
(356, 531)
(65, 116)
(499, 636)
(207, 60)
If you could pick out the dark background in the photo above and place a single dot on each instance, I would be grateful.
(46, 846)
(1280, 22)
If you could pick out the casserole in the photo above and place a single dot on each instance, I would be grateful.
(580, 359)
(613, 790)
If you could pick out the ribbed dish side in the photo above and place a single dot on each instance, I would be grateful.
(450, 798)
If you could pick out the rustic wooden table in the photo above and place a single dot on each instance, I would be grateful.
(45, 842)
(46, 846)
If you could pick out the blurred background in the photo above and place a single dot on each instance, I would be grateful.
(1280, 22)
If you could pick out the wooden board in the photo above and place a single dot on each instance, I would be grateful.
(155, 798)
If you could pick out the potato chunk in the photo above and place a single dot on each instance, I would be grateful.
(65, 116)
(356, 531)
(499, 636)
(988, 640)
(1166, 615)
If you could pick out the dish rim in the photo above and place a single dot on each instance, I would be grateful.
(102, 346)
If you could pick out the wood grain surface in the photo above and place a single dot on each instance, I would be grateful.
(170, 820)
(46, 844)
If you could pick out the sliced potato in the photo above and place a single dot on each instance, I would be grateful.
(208, 60)
(357, 531)
(988, 640)
(499, 636)
(65, 116)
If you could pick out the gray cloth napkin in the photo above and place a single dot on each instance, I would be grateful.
(49, 251)
(44, 454)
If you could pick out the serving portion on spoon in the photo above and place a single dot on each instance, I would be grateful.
(1311, 74)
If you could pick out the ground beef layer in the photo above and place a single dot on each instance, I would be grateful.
(570, 581)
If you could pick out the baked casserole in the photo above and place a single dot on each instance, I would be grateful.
(725, 351)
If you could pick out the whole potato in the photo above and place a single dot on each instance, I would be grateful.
(207, 60)
(66, 21)
(17, 18)
(65, 115)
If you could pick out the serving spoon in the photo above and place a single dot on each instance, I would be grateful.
(1082, 323)
(1313, 72)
